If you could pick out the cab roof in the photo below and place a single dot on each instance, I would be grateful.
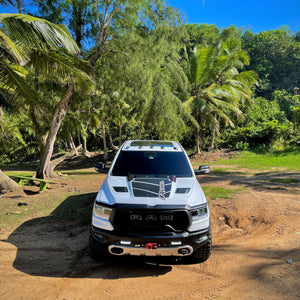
(152, 145)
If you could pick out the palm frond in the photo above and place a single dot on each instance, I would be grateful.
(247, 77)
(63, 65)
(189, 101)
(38, 33)
(10, 79)
(6, 2)
(11, 50)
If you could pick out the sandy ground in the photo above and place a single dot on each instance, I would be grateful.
(256, 251)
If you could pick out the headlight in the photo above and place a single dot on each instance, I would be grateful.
(200, 210)
(102, 211)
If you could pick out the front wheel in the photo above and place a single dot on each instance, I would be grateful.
(203, 253)
(97, 251)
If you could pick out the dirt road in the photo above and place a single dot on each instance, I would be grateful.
(256, 252)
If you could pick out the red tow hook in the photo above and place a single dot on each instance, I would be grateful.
(151, 246)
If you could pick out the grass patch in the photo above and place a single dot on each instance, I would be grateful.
(218, 192)
(38, 207)
(226, 171)
(282, 160)
(61, 208)
(18, 165)
(284, 180)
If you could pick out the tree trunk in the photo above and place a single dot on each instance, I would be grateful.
(66, 145)
(105, 156)
(79, 138)
(198, 142)
(7, 184)
(197, 133)
(59, 114)
(140, 130)
(115, 148)
(212, 143)
(86, 152)
(18, 2)
(71, 142)
(54, 163)
(120, 133)
(202, 138)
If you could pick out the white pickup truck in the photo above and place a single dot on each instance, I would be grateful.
(151, 204)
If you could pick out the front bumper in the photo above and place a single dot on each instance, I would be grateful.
(182, 244)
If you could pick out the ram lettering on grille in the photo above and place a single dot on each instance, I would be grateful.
(151, 218)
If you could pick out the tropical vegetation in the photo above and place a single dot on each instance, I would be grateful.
(123, 70)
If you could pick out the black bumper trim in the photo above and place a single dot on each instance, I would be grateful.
(106, 238)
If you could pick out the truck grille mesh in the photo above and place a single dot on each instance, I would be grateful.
(148, 221)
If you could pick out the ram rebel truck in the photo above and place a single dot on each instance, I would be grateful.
(151, 204)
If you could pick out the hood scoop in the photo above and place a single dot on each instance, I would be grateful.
(152, 187)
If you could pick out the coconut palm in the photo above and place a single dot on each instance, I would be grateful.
(29, 44)
(217, 86)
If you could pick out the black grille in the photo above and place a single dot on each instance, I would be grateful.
(150, 221)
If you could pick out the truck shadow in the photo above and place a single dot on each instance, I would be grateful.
(57, 246)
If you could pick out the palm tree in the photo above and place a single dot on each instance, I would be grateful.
(217, 86)
(32, 44)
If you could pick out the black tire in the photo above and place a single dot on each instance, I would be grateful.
(96, 250)
(203, 253)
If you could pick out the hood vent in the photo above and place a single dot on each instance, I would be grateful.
(120, 189)
(182, 190)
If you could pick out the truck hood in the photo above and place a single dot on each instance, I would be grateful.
(151, 191)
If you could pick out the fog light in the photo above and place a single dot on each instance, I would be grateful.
(176, 243)
(125, 243)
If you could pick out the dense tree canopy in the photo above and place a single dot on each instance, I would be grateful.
(275, 57)
(134, 70)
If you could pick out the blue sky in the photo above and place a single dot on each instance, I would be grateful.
(256, 15)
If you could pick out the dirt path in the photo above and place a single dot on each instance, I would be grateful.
(256, 252)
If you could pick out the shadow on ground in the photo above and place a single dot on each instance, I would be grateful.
(265, 182)
(57, 246)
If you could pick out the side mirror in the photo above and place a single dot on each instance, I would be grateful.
(102, 167)
(202, 170)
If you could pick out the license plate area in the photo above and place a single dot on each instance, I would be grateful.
(151, 245)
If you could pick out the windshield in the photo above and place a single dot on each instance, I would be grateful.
(152, 163)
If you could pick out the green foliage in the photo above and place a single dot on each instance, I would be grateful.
(17, 139)
(264, 124)
(287, 102)
(201, 34)
(141, 80)
(217, 86)
(146, 64)
(290, 105)
(275, 56)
